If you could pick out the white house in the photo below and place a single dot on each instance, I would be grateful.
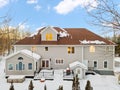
(59, 47)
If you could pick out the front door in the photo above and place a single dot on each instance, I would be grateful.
(45, 64)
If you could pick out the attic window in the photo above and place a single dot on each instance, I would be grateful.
(20, 58)
(49, 36)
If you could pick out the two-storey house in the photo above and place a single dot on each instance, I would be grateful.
(59, 47)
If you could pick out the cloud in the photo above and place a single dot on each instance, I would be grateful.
(3, 3)
(67, 6)
(32, 1)
(37, 7)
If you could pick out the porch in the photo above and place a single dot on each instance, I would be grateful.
(52, 74)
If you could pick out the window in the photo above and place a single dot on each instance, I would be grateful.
(10, 66)
(20, 58)
(45, 63)
(105, 64)
(95, 64)
(49, 36)
(20, 66)
(92, 48)
(33, 48)
(46, 48)
(59, 61)
(30, 66)
(71, 50)
(108, 49)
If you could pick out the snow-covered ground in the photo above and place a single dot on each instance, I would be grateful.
(98, 82)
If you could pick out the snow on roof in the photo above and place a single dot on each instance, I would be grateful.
(117, 59)
(63, 34)
(26, 52)
(30, 53)
(77, 64)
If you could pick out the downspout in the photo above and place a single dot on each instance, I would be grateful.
(82, 54)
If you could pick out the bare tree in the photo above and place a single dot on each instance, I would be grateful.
(10, 35)
(106, 14)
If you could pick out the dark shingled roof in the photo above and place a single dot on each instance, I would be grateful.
(75, 36)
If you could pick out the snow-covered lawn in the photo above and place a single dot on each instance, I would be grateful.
(98, 82)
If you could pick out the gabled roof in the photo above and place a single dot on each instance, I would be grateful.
(26, 52)
(76, 64)
(75, 36)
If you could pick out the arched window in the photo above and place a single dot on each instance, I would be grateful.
(20, 58)
(20, 65)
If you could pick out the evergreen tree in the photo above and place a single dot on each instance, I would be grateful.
(75, 85)
(88, 86)
(45, 87)
(12, 86)
(31, 86)
(60, 87)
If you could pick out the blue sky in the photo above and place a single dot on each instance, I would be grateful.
(38, 13)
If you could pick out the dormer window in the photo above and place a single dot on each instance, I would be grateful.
(49, 36)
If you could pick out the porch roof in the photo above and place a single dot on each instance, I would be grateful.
(77, 64)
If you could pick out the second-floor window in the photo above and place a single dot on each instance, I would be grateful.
(49, 36)
(46, 48)
(71, 50)
(92, 48)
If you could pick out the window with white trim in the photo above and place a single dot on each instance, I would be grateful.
(10, 66)
(105, 64)
(20, 66)
(95, 64)
(59, 61)
(71, 50)
(29, 66)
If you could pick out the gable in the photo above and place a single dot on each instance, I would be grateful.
(48, 29)
(48, 34)
(23, 53)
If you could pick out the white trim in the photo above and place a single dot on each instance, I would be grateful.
(48, 28)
